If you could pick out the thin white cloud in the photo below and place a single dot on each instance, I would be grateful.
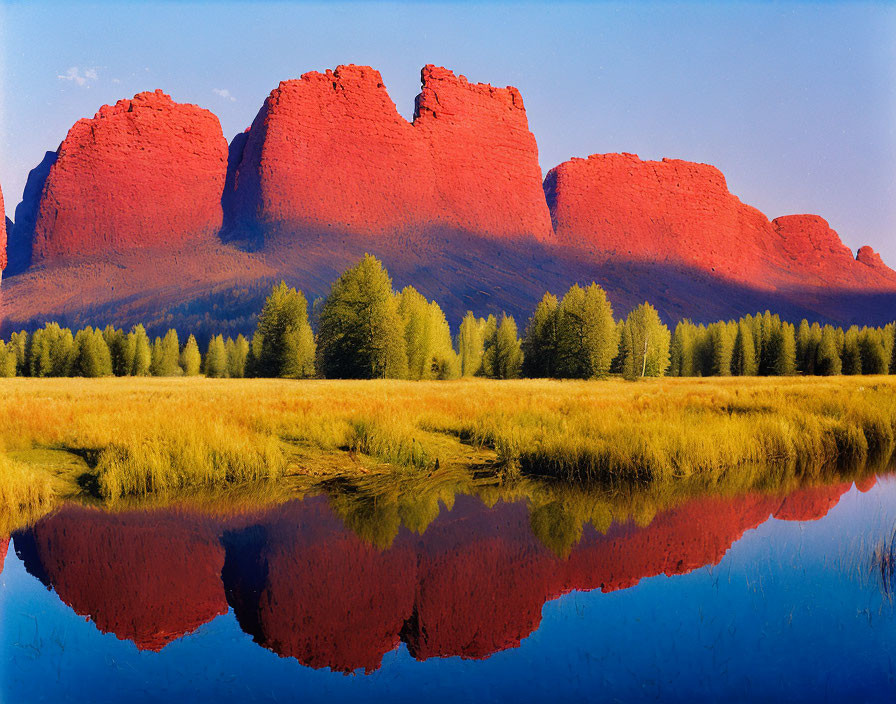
(224, 93)
(78, 76)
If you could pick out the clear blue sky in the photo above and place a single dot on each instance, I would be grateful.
(795, 102)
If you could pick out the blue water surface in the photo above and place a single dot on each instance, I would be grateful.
(795, 611)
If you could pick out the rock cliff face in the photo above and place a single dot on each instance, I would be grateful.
(681, 213)
(123, 224)
(146, 172)
(2, 235)
(329, 152)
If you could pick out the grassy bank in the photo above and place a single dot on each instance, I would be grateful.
(130, 437)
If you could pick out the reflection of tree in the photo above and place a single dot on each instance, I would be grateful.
(556, 527)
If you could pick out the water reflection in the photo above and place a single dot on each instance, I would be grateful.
(315, 581)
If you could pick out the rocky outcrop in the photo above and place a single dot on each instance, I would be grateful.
(2, 235)
(4, 546)
(867, 256)
(681, 213)
(143, 173)
(329, 152)
(810, 249)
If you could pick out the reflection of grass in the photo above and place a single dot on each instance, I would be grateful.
(884, 562)
(135, 437)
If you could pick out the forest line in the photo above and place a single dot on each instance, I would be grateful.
(364, 329)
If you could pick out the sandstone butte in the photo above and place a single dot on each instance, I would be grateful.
(329, 152)
(681, 213)
(305, 586)
(146, 172)
(2, 235)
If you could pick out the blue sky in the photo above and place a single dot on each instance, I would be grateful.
(795, 102)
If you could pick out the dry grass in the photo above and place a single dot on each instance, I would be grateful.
(26, 493)
(151, 436)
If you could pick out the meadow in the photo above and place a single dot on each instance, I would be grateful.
(116, 439)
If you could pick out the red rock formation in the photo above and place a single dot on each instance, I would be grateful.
(146, 172)
(329, 152)
(811, 503)
(2, 235)
(811, 249)
(4, 546)
(681, 213)
(149, 577)
(867, 256)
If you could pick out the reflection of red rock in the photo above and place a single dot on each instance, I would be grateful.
(330, 153)
(679, 541)
(680, 212)
(305, 586)
(483, 579)
(811, 503)
(866, 484)
(148, 577)
(320, 594)
(146, 172)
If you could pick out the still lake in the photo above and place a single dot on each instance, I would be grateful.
(759, 597)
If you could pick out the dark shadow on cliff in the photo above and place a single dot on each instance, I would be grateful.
(21, 237)
(219, 288)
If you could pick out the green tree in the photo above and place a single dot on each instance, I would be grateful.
(138, 352)
(166, 355)
(721, 343)
(646, 342)
(50, 351)
(237, 356)
(19, 342)
(540, 341)
(872, 349)
(470, 344)
(116, 341)
(283, 343)
(892, 328)
(427, 337)
(852, 353)
(91, 356)
(587, 339)
(361, 333)
(8, 361)
(508, 355)
(215, 364)
(191, 358)
(743, 356)
(827, 357)
(782, 350)
(684, 358)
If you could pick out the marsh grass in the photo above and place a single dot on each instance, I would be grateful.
(152, 436)
(26, 493)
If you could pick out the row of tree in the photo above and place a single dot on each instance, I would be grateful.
(367, 330)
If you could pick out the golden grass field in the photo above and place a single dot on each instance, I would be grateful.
(119, 439)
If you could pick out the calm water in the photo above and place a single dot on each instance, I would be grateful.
(753, 598)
